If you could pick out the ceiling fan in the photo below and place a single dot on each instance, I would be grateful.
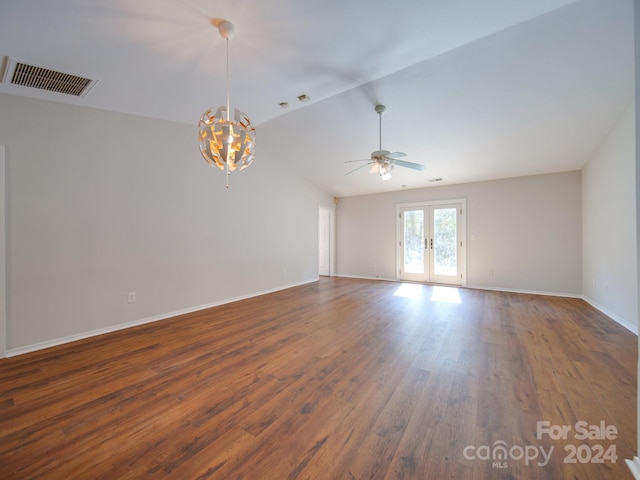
(383, 161)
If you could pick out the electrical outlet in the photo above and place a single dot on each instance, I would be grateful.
(131, 297)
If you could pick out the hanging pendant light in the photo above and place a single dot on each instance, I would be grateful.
(226, 143)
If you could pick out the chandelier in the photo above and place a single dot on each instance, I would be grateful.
(227, 143)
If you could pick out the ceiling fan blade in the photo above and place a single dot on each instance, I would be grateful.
(403, 163)
(353, 161)
(356, 169)
(395, 155)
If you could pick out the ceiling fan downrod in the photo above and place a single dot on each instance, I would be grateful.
(380, 109)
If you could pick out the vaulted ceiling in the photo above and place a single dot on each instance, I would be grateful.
(474, 90)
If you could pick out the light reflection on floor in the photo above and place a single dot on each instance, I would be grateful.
(438, 294)
(445, 294)
(409, 290)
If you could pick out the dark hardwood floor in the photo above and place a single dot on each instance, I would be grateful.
(338, 379)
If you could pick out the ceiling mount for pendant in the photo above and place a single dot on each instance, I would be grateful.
(226, 29)
(225, 143)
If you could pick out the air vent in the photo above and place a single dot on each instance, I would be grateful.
(25, 75)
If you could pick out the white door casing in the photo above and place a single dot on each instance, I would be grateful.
(3, 262)
(326, 241)
(431, 244)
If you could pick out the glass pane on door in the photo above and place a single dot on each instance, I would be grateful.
(414, 241)
(445, 241)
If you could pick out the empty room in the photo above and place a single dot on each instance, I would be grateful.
(335, 240)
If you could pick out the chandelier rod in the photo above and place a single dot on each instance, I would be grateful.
(380, 131)
(226, 163)
(228, 110)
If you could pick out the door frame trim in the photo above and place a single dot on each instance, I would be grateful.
(332, 238)
(463, 231)
(3, 257)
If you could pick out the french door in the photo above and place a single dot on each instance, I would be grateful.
(430, 243)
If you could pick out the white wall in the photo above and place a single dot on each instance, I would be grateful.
(610, 279)
(526, 229)
(101, 204)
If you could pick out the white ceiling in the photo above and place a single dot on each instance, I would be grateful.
(474, 89)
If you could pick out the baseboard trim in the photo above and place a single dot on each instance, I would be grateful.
(530, 292)
(479, 287)
(93, 333)
(616, 318)
(363, 277)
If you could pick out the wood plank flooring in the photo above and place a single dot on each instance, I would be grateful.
(338, 379)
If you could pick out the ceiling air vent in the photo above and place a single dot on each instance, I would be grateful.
(25, 75)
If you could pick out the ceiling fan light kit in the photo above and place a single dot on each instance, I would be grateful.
(225, 143)
(382, 161)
